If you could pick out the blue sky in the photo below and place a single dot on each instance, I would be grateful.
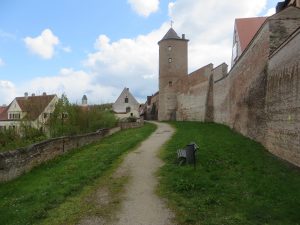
(98, 47)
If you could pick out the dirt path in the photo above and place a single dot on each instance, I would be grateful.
(141, 206)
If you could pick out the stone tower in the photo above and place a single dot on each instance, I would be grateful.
(84, 100)
(173, 63)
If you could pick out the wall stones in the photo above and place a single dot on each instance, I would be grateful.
(283, 101)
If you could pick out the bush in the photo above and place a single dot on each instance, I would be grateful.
(70, 119)
(11, 139)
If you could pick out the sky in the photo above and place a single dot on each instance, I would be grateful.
(98, 47)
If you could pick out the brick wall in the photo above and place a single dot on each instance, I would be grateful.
(283, 101)
(15, 163)
(282, 25)
(221, 101)
(247, 84)
(192, 94)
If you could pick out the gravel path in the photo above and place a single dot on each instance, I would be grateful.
(141, 206)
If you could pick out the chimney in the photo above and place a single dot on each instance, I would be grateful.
(44, 93)
(183, 36)
(32, 94)
(26, 95)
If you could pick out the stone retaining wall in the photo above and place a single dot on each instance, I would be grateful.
(129, 125)
(15, 163)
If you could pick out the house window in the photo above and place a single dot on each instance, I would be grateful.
(170, 84)
(126, 100)
(128, 109)
(170, 60)
(14, 116)
(169, 48)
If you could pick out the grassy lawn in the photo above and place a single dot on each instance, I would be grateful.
(31, 198)
(236, 180)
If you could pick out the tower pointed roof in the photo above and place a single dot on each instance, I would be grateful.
(171, 34)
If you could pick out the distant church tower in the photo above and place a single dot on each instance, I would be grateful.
(84, 100)
(173, 64)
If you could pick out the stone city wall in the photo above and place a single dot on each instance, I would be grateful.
(283, 101)
(247, 84)
(260, 96)
(221, 101)
(129, 125)
(15, 163)
(192, 92)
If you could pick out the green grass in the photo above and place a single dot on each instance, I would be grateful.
(236, 180)
(30, 198)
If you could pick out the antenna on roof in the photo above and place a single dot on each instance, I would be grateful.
(171, 22)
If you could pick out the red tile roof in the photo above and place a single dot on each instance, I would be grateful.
(34, 105)
(246, 28)
(3, 113)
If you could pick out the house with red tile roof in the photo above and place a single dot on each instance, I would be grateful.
(32, 110)
(244, 31)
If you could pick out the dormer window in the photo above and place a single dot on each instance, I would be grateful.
(126, 100)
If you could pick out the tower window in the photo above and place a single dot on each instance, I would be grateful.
(126, 100)
(169, 48)
(170, 60)
(170, 84)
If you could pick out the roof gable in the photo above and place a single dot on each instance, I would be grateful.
(246, 29)
(126, 93)
(34, 105)
(14, 106)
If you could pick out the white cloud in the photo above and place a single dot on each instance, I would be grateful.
(209, 26)
(74, 84)
(67, 49)
(127, 62)
(270, 12)
(7, 91)
(42, 45)
(2, 63)
(71, 82)
(144, 7)
(6, 35)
